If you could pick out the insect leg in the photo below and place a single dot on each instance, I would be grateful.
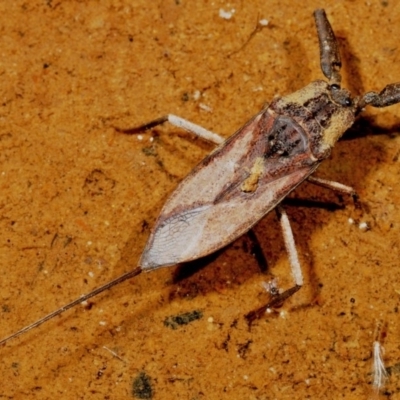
(290, 245)
(179, 123)
(336, 186)
(275, 302)
(328, 48)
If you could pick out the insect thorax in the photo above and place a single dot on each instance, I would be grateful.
(322, 112)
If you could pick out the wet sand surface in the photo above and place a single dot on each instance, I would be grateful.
(78, 200)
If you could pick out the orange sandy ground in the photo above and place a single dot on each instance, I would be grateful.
(78, 199)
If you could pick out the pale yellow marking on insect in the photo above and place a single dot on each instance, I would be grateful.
(250, 184)
(340, 122)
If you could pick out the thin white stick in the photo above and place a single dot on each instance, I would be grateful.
(290, 246)
(378, 369)
(336, 186)
(114, 354)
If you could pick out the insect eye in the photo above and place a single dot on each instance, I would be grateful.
(340, 96)
(348, 102)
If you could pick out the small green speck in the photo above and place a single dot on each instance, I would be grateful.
(182, 319)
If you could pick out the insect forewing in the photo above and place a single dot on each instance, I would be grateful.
(230, 190)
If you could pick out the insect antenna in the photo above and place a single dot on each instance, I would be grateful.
(73, 303)
(388, 96)
(328, 48)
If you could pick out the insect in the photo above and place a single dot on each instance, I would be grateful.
(250, 173)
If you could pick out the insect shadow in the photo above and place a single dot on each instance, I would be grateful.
(351, 63)
(366, 126)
